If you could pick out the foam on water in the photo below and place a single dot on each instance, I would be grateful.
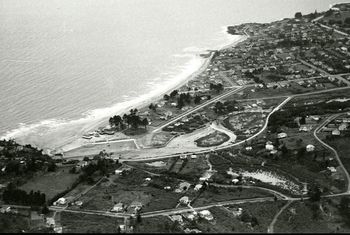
(44, 134)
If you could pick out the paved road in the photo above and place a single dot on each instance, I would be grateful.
(185, 210)
(325, 72)
(199, 107)
(325, 122)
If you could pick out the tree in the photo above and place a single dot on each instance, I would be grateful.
(166, 97)
(145, 122)
(45, 210)
(298, 15)
(347, 20)
(315, 193)
(197, 99)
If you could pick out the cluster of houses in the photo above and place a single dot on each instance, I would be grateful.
(338, 125)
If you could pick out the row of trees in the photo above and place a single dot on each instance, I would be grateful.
(13, 195)
(132, 120)
(226, 107)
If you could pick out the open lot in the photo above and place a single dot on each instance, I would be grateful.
(51, 183)
(82, 223)
(307, 217)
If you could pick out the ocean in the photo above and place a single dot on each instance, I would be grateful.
(65, 65)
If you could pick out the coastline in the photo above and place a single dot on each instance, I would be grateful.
(144, 103)
(67, 135)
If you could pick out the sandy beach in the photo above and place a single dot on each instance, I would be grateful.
(77, 142)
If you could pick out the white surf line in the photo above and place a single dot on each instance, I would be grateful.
(23, 61)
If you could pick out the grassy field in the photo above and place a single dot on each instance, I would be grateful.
(82, 223)
(307, 217)
(213, 139)
(342, 147)
(212, 194)
(51, 183)
(13, 223)
(129, 188)
(226, 222)
(160, 224)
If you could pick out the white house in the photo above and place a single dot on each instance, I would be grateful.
(269, 147)
(60, 201)
(198, 187)
(335, 132)
(310, 148)
(119, 207)
(206, 215)
(281, 135)
(184, 200)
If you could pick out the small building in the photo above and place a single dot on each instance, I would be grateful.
(167, 187)
(332, 169)
(281, 135)
(198, 187)
(136, 205)
(184, 200)
(249, 148)
(193, 156)
(269, 147)
(310, 148)
(60, 201)
(118, 171)
(206, 215)
(78, 203)
(177, 218)
(235, 181)
(119, 207)
(335, 132)
(237, 212)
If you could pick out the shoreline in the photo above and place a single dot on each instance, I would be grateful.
(68, 142)
(205, 63)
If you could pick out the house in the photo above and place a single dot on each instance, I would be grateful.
(50, 221)
(177, 218)
(343, 126)
(167, 187)
(136, 205)
(193, 156)
(305, 128)
(78, 203)
(310, 148)
(269, 147)
(184, 200)
(198, 187)
(281, 135)
(119, 207)
(118, 171)
(237, 212)
(235, 181)
(332, 169)
(206, 215)
(249, 148)
(60, 201)
(335, 132)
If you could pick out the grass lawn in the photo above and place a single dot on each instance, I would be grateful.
(213, 139)
(159, 224)
(213, 194)
(129, 188)
(51, 183)
(341, 145)
(82, 223)
(13, 223)
(305, 217)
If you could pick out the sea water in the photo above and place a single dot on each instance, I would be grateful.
(65, 65)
